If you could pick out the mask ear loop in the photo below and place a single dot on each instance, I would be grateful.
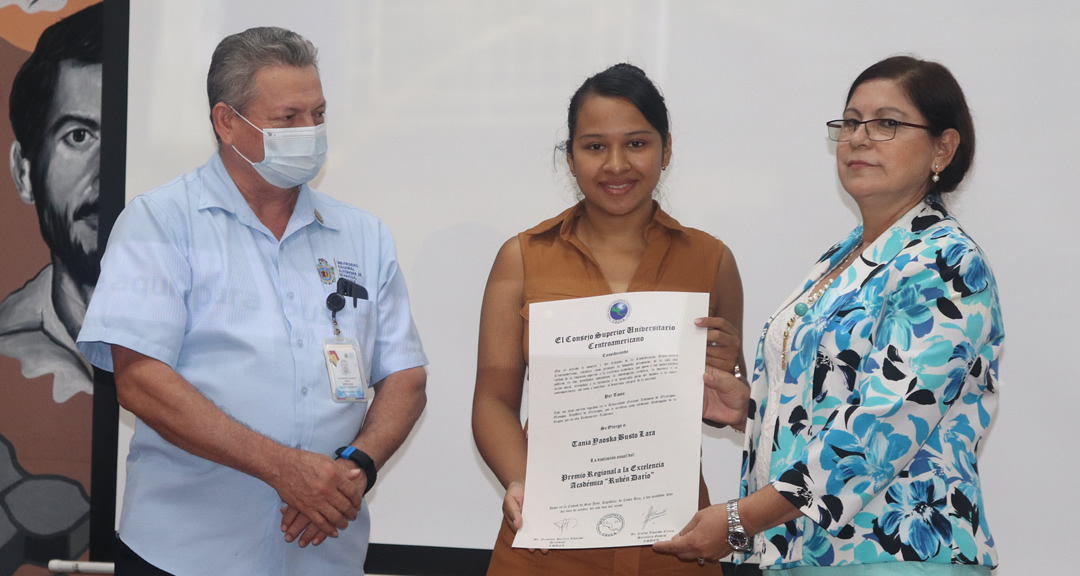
(246, 120)
(235, 149)
(241, 154)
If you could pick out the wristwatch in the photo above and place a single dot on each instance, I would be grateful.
(736, 535)
(362, 460)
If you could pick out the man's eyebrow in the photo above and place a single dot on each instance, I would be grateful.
(77, 119)
(294, 109)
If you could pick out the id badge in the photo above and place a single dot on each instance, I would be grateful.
(345, 365)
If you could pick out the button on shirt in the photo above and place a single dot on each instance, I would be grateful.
(192, 278)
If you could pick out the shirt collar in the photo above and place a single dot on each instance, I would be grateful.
(565, 222)
(316, 209)
(220, 191)
(311, 209)
(30, 319)
(664, 220)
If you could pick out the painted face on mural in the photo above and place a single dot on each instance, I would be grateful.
(66, 172)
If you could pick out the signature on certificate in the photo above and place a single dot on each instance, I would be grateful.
(566, 524)
(651, 515)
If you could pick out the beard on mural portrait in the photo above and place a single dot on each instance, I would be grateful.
(50, 83)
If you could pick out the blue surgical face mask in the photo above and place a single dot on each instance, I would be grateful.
(291, 156)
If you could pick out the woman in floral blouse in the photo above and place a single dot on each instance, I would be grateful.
(876, 380)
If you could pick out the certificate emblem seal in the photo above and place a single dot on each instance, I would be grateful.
(618, 311)
(610, 525)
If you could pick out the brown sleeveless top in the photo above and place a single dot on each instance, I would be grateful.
(558, 266)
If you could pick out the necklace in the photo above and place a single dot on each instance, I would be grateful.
(802, 308)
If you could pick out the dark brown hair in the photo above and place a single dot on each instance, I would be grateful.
(933, 90)
(621, 81)
(77, 38)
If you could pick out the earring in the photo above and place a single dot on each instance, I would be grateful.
(662, 168)
(574, 175)
(935, 177)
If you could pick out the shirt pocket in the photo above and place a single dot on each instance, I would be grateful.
(357, 321)
(360, 322)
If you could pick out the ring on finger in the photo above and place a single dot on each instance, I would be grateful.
(700, 561)
(737, 372)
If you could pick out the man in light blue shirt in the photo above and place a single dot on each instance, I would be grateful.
(212, 311)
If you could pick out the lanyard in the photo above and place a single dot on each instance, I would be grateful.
(335, 302)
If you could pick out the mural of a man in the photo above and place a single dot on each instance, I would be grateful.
(55, 113)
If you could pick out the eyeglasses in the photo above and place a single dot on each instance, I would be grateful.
(877, 129)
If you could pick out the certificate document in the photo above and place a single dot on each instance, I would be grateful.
(615, 393)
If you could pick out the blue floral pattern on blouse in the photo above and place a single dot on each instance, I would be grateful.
(890, 387)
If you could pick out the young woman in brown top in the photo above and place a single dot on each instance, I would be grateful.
(616, 239)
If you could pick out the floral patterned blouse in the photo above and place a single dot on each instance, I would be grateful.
(889, 388)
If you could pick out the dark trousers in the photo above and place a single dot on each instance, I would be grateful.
(128, 563)
(740, 570)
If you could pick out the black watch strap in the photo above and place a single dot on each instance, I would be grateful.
(362, 460)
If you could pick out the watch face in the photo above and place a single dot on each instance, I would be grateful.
(737, 539)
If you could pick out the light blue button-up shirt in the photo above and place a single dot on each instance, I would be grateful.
(192, 278)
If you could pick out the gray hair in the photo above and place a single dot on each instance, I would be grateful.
(239, 57)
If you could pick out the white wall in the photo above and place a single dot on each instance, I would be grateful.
(443, 116)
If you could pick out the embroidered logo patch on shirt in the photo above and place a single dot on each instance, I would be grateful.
(326, 271)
